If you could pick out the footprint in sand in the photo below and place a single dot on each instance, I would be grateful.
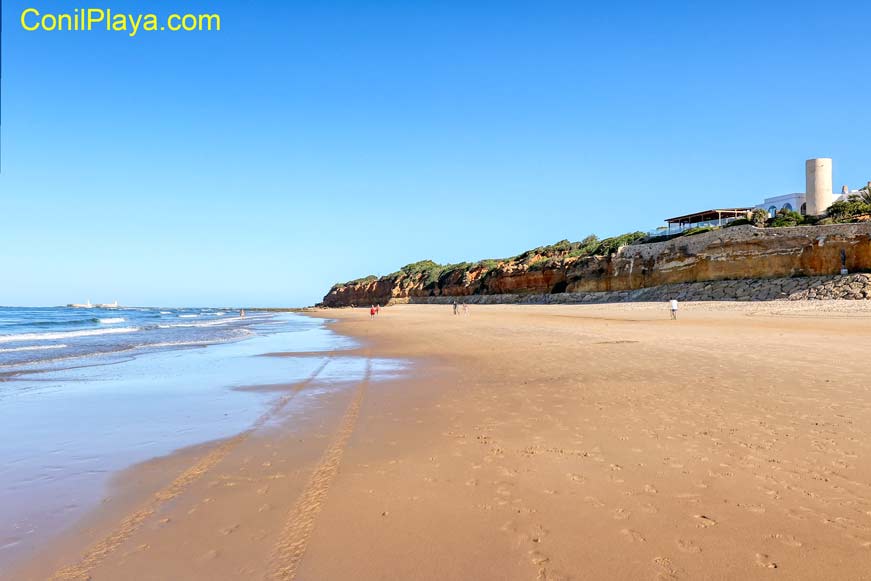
(764, 560)
(649, 508)
(228, 530)
(620, 514)
(503, 491)
(593, 501)
(788, 540)
(576, 478)
(757, 508)
(666, 569)
(703, 521)
(538, 534)
(208, 555)
(632, 536)
(688, 546)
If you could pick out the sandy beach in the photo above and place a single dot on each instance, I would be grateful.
(527, 443)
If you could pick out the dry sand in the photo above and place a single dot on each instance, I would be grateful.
(529, 442)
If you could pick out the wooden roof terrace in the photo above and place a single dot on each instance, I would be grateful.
(709, 215)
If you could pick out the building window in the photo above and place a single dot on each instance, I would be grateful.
(788, 207)
(804, 209)
(772, 211)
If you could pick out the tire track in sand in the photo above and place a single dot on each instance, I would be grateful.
(293, 540)
(80, 571)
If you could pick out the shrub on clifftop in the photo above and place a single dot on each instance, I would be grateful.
(786, 218)
(609, 246)
(759, 217)
(847, 210)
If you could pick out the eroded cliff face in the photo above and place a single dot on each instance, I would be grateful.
(742, 252)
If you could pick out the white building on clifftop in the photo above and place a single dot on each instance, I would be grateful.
(818, 194)
(814, 201)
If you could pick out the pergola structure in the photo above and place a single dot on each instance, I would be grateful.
(707, 218)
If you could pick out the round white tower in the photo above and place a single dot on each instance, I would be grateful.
(818, 190)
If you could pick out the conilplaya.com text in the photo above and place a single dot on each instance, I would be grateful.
(105, 19)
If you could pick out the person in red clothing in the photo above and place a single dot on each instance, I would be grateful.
(372, 312)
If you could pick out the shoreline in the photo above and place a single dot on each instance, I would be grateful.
(157, 404)
(136, 496)
(534, 441)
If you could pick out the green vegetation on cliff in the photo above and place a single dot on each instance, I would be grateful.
(851, 209)
(787, 218)
(430, 273)
(427, 271)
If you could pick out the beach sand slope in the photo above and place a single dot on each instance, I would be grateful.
(531, 442)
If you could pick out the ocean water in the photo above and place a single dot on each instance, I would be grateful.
(35, 338)
(85, 393)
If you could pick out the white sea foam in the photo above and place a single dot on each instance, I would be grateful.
(219, 313)
(203, 324)
(112, 320)
(32, 348)
(187, 316)
(65, 334)
(181, 344)
(165, 313)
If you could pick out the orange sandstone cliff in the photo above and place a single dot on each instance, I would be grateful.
(627, 263)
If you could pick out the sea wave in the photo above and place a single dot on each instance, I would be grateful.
(32, 348)
(201, 343)
(204, 324)
(214, 323)
(51, 323)
(111, 320)
(187, 316)
(65, 334)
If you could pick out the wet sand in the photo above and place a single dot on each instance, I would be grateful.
(552, 442)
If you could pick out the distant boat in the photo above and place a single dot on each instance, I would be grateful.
(87, 305)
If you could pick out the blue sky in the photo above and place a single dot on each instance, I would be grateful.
(314, 142)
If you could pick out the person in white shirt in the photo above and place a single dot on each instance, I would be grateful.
(673, 304)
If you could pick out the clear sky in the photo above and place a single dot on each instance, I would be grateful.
(313, 142)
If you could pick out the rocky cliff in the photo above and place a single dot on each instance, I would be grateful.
(625, 264)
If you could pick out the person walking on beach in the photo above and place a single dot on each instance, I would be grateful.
(455, 307)
(465, 310)
(378, 309)
(372, 312)
(673, 305)
(242, 313)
